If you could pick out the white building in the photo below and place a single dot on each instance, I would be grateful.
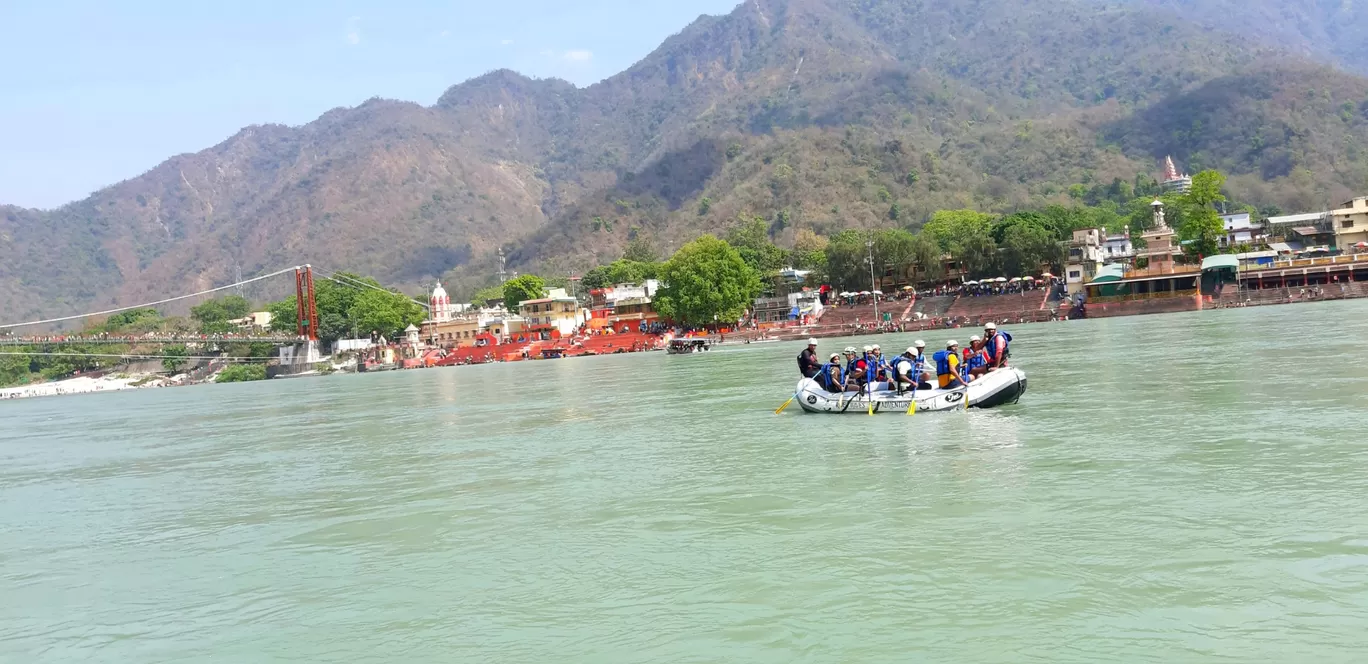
(1240, 229)
(1118, 248)
(1086, 256)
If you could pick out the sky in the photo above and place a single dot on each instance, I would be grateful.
(95, 92)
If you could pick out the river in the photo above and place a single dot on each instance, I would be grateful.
(1185, 487)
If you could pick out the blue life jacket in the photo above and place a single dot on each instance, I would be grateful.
(991, 346)
(823, 377)
(850, 367)
(942, 359)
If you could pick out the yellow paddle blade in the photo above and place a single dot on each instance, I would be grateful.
(786, 404)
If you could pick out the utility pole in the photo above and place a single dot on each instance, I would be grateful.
(869, 244)
(503, 262)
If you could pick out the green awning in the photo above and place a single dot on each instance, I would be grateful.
(1220, 261)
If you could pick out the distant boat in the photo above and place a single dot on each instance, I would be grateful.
(687, 346)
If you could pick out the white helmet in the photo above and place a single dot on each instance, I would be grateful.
(868, 348)
(912, 351)
(975, 338)
(812, 342)
(920, 344)
(875, 347)
(835, 356)
(990, 325)
(951, 342)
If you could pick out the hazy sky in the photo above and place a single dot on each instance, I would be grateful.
(95, 92)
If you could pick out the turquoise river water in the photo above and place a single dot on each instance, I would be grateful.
(1175, 488)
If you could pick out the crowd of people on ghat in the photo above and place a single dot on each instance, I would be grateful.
(951, 368)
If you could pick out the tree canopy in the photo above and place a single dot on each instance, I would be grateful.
(523, 287)
(1202, 227)
(706, 282)
(339, 315)
(213, 315)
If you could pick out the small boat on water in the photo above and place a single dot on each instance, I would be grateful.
(687, 346)
(369, 367)
(998, 388)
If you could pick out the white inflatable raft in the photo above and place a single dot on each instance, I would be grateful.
(1004, 386)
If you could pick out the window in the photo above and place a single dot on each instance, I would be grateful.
(1074, 274)
(1347, 223)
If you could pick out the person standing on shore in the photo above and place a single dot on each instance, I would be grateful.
(808, 364)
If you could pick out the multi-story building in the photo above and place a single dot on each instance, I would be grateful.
(1118, 248)
(557, 314)
(1240, 229)
(1350, 223)
(1086, 256)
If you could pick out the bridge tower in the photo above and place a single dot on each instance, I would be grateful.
(306, 310)
(306, 322)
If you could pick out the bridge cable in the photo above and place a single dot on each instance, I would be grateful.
(135, 356)
(149, 304)
(340, 278)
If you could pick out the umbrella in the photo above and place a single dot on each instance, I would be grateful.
(1001, 280)
(865, 292)
(910, 288)
(1013, 280)
(971, 283)
(878, 292)
(1361, 245)
(1047, 275)
(1028, 278)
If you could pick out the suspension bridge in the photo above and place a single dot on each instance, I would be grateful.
(304, 336)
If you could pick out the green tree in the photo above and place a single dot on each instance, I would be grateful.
(951, 228)
(283, 316)
(1026, 246)
(641, 251)
(383, 311)
(139, 318)
(926, 255)
(488, 294)
(705, 282)
(809, 252)
(704, 206)
(177, 360)
(213, 316)
(239, 373)
(523, 287)
(1202, 227)
(978, 253)
(751, 241)
(846, 259)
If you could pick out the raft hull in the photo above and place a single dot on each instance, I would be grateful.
(999, 388)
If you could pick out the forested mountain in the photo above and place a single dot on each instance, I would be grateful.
(817, 114)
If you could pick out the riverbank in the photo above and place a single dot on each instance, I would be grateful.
(81, 385)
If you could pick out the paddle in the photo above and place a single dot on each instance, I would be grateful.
(870, 386)
(786, 403)
(912, 407)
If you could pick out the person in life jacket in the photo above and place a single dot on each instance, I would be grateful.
(995, 346)
(852, 360)
(860, 373)
(879, 364)
(808, 364)
(975, 361)
(906, 371)
(920, 366)
(830, 376)
(947, 365)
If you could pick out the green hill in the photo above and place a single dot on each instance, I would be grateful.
(817, 114)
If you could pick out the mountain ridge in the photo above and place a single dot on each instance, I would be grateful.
(993, 104)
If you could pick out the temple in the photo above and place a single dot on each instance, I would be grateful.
(1174, 181)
